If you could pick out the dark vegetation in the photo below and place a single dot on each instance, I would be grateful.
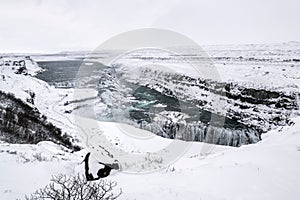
(21, 123)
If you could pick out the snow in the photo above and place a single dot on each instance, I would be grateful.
(266, 170)
(272, 66)
(21, 172)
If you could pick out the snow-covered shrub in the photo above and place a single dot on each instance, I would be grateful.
(76, 188)
(39, 157)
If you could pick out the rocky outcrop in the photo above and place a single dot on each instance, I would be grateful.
(248, 111)
(259, 107)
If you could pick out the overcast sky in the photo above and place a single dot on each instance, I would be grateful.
(59, 25)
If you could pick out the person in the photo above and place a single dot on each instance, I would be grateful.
(102, 173)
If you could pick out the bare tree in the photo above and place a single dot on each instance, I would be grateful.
(63, 187)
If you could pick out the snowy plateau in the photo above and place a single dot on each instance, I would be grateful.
(241, 126)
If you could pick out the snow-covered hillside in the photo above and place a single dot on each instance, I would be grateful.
(268, 169)
(26, 105)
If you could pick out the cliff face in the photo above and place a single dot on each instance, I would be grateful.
(261, 108)
(180, 106)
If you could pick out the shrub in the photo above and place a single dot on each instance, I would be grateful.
(64, 187)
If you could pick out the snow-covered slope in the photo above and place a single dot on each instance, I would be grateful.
(268, 169)
(25, 168)
(28, 101)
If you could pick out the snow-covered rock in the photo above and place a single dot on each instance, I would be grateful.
(243, 109)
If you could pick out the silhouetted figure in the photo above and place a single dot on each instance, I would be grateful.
(102, 173)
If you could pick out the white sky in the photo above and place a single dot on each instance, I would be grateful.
(59, 25)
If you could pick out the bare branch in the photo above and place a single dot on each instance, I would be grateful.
(75, 188)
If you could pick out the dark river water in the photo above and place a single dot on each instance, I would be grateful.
(64, 73)
(150, 99)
